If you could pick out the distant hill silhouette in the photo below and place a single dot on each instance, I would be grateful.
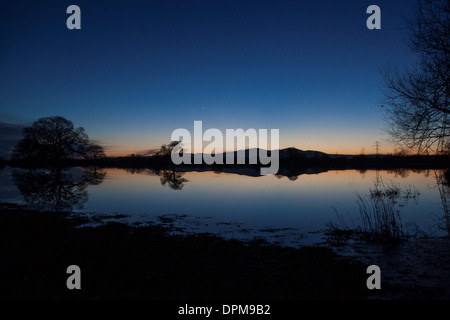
(283, 153)
(289, 152)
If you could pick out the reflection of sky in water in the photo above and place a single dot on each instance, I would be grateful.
(212, 201)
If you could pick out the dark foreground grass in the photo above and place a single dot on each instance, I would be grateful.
(118, 261)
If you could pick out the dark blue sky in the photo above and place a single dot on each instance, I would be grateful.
(137, 70)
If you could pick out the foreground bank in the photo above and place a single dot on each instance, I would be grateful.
(120, 261)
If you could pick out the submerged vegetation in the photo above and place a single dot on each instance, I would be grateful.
(380, 219)
(443, 185)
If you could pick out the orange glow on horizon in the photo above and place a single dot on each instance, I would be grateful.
(118, 152)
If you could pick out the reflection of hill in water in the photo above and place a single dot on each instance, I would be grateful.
(174, 178)
(56, 189)
(254, 171)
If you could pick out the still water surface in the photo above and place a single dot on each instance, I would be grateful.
(281, 209)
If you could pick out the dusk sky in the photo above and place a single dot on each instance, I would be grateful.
(137, 70)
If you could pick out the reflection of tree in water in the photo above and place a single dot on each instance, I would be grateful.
(172, 178)
(404, 172)
(362, 172)
(135, 170)
(94, 176)
(56, 189)
(290, 177)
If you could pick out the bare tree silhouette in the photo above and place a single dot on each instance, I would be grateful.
(94, 151)
(54, 138)
(166, 149)
(417, 99)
